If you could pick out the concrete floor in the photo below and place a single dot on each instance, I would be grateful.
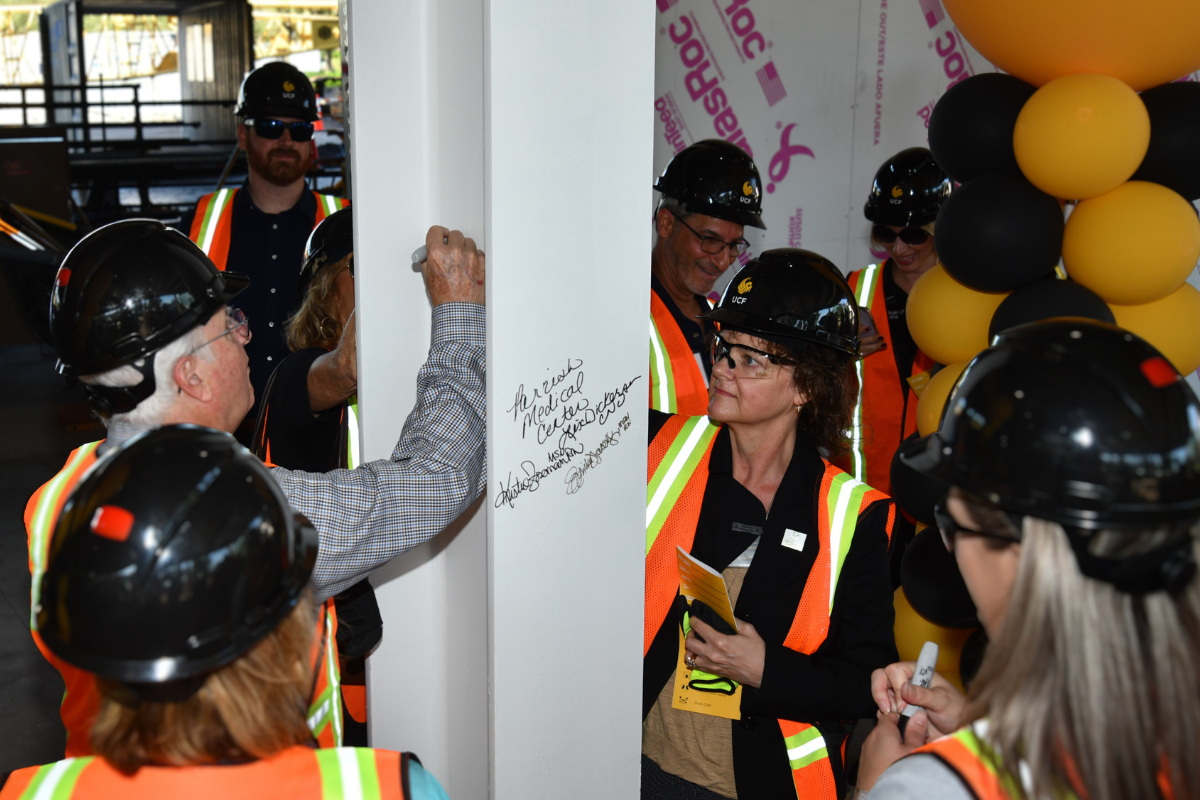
(46, 420)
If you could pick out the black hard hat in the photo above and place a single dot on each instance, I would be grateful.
(329, 242)
(908, 190)
(126, 290)
(1080, 423)
(277, 90)
(175, 555)
(717, 179)
(791, 297)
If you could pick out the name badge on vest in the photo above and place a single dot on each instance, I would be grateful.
(794, 539)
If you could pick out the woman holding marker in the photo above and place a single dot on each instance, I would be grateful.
(801, 545)
(1072, 453)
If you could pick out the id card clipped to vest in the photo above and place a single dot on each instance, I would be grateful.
(695, 690)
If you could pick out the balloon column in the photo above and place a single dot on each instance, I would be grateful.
(1062, 159)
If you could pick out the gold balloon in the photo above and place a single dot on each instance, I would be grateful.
(1171, 324)
(1133, 245)
(1080, 136)
(912, 631)
(1143, 44)
(933, 399)
(948, 321)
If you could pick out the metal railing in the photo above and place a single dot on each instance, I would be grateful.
(50, 104)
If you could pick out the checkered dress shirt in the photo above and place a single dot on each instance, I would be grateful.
(369, 515)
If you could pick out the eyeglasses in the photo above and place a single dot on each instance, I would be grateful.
(274, 128)
(948, 527)
(885, 235)
(748, 362)
(713, 245)
(236, 323)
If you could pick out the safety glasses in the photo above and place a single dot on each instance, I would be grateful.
(274, 128)
(914, 236)
(948, 527)
(236, 324)
(747, 362)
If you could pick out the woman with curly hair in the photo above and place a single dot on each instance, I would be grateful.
(802, 546)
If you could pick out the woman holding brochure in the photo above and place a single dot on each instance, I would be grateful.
(749, 493)
(1072, 453)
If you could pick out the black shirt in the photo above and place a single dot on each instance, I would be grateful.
(696, 331)
(301, 438)
(270, 249)
(833, 683)
(904, 349)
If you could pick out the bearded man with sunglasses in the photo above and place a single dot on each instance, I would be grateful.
(906, 195)
(710, 191)
(260, 229)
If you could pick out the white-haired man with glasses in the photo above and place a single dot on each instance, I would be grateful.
(146, 321)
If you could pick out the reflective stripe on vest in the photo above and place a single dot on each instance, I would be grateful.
(677, 475)
(677, 383)
(353, 451)
(325, 712)
(866, 290)
(348, 773)
(47, 503)
(968, 755)
(56, 781)
(213, 223)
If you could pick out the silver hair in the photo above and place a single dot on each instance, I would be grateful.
(677, 208)
(151, 412)
(1089, 685)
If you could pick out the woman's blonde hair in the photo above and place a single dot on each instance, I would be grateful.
(314, 325)
(1094, 689)
(878, 247)
(251, 708)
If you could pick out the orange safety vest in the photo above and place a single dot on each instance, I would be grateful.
(81, 700)
(296, 772)
(677, 384)
(677, 474)
(213, 223)
(884, 415)
(970, 756)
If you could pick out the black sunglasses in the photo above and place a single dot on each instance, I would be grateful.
(947, 526)
(914, 236)
(274, 128)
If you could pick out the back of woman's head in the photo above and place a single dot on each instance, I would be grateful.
(251, 708)
(1095, 689)
(315, 323)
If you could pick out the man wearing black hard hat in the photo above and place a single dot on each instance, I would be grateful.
(145, 320)
(260, 229)
(710, 192)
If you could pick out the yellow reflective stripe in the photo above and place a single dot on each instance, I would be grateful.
(43, 522)
(56, 781)
(844, 500)
(866, 293)
(805, 748)
(352, 446)
(212, 219)
(333, 671)
(662, 395)
(673, 473)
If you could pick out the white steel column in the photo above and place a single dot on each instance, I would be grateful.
(569, 158)
(511, 659)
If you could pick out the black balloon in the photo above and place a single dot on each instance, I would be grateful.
(999, 232)
(1046, 299)
(932, 583)
(1173, 159)
(915, 492)
(971, 127)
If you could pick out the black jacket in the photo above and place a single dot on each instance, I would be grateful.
(829, 687)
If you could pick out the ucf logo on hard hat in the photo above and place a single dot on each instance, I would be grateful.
(744, 286)
(288, 89)
(748, 192)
